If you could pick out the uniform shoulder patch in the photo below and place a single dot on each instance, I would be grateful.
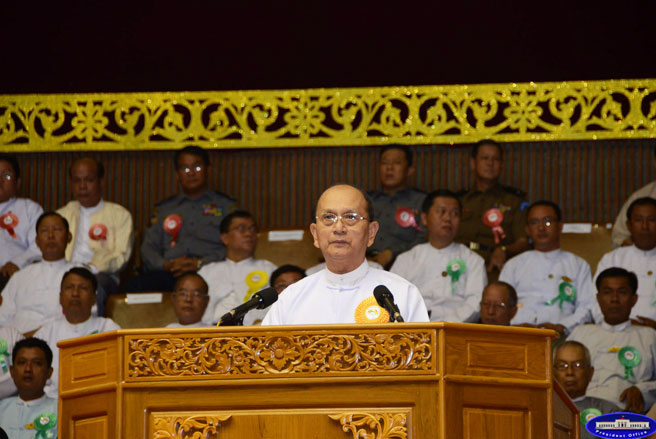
(165, 201)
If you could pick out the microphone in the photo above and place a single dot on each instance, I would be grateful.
(259, 300)
(385, 300)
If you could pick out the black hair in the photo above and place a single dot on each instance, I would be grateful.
(45, 215)
(186, 274)
(546, 203)
(12, 160)
(100, 169)
(430, 199)
(32, 342)
(406, 150)
(288, 268)
(618, 272)
(82, 272)
(512, 293)
(191, 150)
(644, 201)
(225, 224)
(476, 146)
(367, 199)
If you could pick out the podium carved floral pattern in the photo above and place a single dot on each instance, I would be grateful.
(275, 354)
(374, 425)
(188, 427)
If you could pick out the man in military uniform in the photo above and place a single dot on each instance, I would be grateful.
(397, 207)
(493, 221)
(184, 232)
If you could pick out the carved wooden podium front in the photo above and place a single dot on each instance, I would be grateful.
(434, 380)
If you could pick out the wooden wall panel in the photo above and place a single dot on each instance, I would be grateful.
(589, 179)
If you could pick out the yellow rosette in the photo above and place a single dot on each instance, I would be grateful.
(255, 281)
(368, 311)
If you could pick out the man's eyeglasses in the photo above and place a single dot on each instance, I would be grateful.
(348, 219)
(7, 176)
(187, 294)
(546, 221)
(243, 228)
(497, 306)
(574, 365)
(188, 169)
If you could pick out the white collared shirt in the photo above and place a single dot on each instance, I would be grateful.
(10, 336)
(17, 416)
(22, 249)
(82, 252)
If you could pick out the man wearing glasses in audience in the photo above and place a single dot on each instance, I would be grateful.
(190, 300)
(498, 304)
(184, 231)
(343, 292)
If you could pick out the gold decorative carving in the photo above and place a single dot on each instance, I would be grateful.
(374, 425)
(330, 117)
(308, 354)
(188, 427)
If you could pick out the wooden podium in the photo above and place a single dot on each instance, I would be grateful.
(429, 380)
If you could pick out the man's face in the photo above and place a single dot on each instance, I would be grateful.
(285, 280)
(572, 371)
(642, 226)
(8, 181)
(543, 227)
(77, 297)
(85, 182)
(616, 299)
(442, 219)
(343, 246)
(394, 169)
(488, 163)
(495, 306)
(241, 236)
(52, 238)
(190, 300)
(30, 372)
(191, 173)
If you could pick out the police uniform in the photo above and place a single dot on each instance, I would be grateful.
(397, 234)
(478, 236)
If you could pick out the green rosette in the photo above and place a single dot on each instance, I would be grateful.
(629, 358)
(43, 423)
(566, 293)
(588, 414)
(455, 268)
(4, 355)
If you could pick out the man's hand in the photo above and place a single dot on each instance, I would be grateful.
(497, 259)
(181, 265)
(560, 329)
(384, 257)
(633, 397)
(644, 321)
(8, 269)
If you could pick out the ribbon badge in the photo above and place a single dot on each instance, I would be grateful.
(255, 280)
(405, 217)
(588, 414)
(566, 293)
(629, 358)
(493, 219)
(368, 311)
(172, 225)
(9, 221)
(43, 423)
(98, 232)
(455, 268)
(4, 355)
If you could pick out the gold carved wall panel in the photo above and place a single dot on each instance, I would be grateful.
(575, 110)
(234, 356)
(374, 425)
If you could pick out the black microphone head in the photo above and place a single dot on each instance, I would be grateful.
(381, 292)
(267, 297)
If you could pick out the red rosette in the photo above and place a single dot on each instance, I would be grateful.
(493, 219)
(172, 225)
(9, 221)
(405, 217)
(98, 232)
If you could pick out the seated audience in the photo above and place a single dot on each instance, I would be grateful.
(639, 257)
(190, 300)
(554, 287)
(77, 296)
(184, 232)
(343, 291)
(623, 355)
(498, 304)
(573, 369)
(396, 205)
(31, 414)
(284, 276)
(17, 222)
(31, 296)
(235, 280)
(449, 276)
(8, 338)
(101, 230)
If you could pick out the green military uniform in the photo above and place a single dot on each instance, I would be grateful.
(478, 236)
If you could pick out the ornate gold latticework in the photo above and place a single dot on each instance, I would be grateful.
(374, 425)
(309, 354)
(178, 426)
(330, 117)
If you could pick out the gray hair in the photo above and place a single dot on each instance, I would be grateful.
(586, 352)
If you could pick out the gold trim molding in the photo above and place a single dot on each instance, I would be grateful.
(450, 114)
(301, 355)
(187, 426)
(374, 425)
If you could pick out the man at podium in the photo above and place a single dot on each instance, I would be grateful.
(343, 292)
